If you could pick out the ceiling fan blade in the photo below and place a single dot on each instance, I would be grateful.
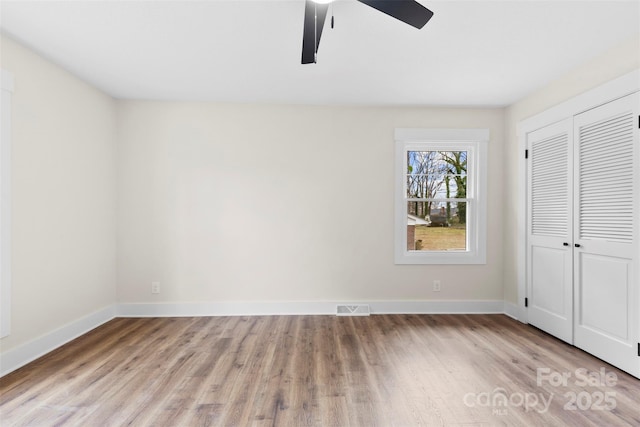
(312, 29)
(408, 11)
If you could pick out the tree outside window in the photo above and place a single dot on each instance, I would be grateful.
(436, 193)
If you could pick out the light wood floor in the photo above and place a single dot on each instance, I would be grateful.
(385, 370)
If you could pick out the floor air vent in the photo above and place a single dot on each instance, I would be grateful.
(353, 310)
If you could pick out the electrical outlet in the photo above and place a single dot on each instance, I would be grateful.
(436, 286)
(155, 287)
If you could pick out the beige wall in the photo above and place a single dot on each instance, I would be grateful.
(280, 203)
(618, 61)
(63, 196)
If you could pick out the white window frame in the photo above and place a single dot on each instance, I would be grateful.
(5, 205)
(475, 142)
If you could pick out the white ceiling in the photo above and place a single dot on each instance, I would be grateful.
(472, 53)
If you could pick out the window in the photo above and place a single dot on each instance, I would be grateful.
(440, 205)
(5, 209)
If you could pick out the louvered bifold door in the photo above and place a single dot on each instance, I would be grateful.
(549, 266)
(606, 232)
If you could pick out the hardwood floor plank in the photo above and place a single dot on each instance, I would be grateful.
(384, 370)
(332, 402)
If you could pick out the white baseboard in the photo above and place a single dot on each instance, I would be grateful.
(514, 311)
(438, 307)
(241, 308)
(30, 351)
(230, 308)
(23, 354)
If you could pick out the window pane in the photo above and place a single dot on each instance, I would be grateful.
(436, 174)
(443, 229)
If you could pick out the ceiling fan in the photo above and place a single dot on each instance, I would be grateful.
(315, 11)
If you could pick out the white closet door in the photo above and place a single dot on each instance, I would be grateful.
(550, 263)
(606, 233)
